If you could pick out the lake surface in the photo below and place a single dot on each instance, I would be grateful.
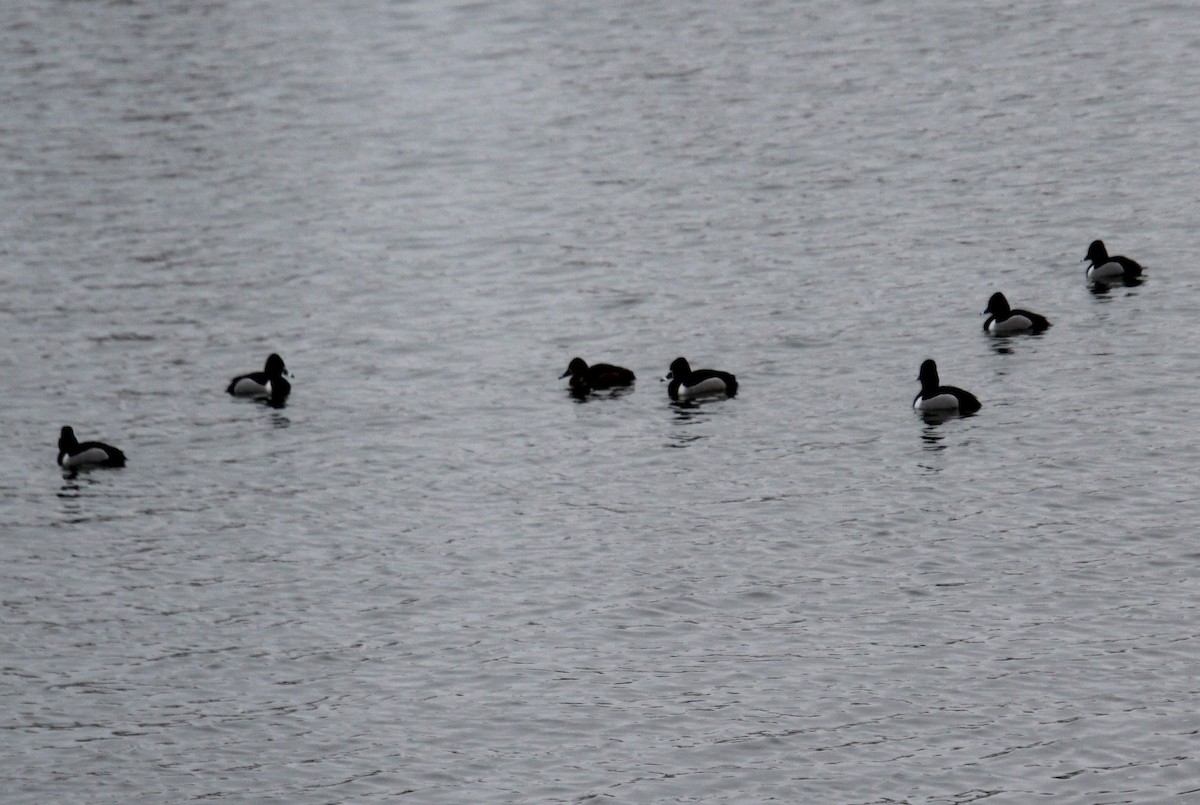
(435, 576)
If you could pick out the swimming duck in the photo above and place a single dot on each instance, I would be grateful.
(270, 384)
(936, 397)
(687, 383)
(1005, 321)
(73, 453)
(586, 378)
(1108, 267)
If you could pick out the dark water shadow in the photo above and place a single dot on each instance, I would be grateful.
(588, 395)
(685, 441)
(267, 402)
(941, 417)
(933, 438)
(1000, 345)
(692, 412)
(274, 406)
(70, 489)
(932, 435)
(1102, 288)
(1004, 344)
(79, 485)
(81, 473)
(71, 495)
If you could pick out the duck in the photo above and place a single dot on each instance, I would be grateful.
(73, 453)
(687, 383)
(586, 378)
(1108, 267)
(269, 384)
(1005, 321)
(939, 398)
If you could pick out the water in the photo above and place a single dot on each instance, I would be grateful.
(434, 575)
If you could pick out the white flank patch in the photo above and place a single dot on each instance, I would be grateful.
(939, 402)
(248, 388)
(713, 385)
(93, 455)
(1013, 324)
(1106, 271)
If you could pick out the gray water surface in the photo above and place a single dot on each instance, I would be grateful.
(434, 576)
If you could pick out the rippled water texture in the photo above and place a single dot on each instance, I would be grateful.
(434, 576)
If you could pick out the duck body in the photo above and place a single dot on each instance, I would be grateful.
(73, 453)
(687, 384)
(1003, 320)
(599, 376)
(1103, 266)
(935, 397)
(269, 384)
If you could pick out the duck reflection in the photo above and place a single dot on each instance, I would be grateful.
(688, 414)
(932, 436)
(1103, 288)
(691, 410)
(941, 417)
(71, 495)
(582, 394)
(1002, 345)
